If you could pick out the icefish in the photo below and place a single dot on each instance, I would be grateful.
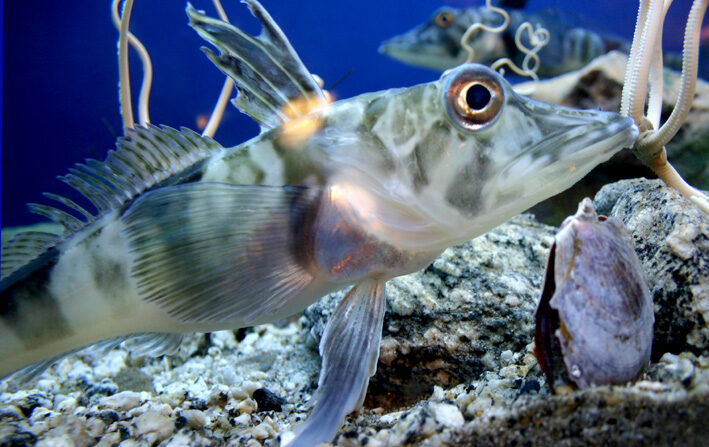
(436, 44)
(189, 236)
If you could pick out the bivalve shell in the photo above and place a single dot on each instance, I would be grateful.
(595, 310)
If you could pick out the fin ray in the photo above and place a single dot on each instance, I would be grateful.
(213, 252)
(350, 350)
(142, 159)
(23, 248)
(267, 70)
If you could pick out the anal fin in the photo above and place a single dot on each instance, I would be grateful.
(350, 350)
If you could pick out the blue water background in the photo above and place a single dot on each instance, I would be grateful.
(60, 99)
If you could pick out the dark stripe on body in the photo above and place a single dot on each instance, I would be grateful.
(428, 154)
(27, 306)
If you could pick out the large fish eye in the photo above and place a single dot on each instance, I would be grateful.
(444, 19)
(473, 98)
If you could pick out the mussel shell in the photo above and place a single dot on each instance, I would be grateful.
(595, 303)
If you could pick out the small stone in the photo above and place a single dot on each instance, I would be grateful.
(268, 400)
(218, 395)
(478, 406)
(123, 401)
(530, 386)
(512, 301)
(247, 406)
(109, 416)
(447, 414)
(195, 418)
(155, 423)
(249, 387)
(680, 241)
(67, 405)
(243, 419)
(95, 427)
(563, 390)
(109, 439)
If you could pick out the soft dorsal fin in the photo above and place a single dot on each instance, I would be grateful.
(268, 72)
(23, 248)
(144, 158)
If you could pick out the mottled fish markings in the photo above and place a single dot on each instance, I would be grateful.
(436, 43)
(190, 236)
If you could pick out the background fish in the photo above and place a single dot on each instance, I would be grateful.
(435, 44)
(190, 236)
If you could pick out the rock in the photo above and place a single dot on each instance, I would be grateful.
(123, 401)
(155, 425)
(267, 400)
(194, 418)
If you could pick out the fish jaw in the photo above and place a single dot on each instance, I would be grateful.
(568, 144)
(410, 49)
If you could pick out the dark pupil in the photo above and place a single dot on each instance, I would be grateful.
(477, 97)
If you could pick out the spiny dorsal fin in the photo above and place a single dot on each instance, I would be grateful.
(268, 72)
(23, 248)
(145, 157)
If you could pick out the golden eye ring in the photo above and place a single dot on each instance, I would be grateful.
(474, 97)
(444, 19)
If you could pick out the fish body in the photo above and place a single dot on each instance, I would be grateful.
(190, 236)
(436, 44)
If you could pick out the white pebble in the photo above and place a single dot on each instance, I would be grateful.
(123, 401)
(512, 301)
(67, 405)
(478, 406)
(156, 423)
(247, 406)
(447, 414)
(243, 418)
(195, 418)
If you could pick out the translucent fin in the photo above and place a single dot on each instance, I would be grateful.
(33, 371)
(23, 248)
(153, 345)
(268, 73)
(144, 158)
(212, 252)
(350, 350)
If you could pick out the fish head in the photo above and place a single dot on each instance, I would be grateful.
(475, 153)
(436, 44)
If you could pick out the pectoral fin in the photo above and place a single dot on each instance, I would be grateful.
(219, 253)
(350, 350)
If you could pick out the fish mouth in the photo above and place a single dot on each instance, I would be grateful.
(573, 143)
(408, 49)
